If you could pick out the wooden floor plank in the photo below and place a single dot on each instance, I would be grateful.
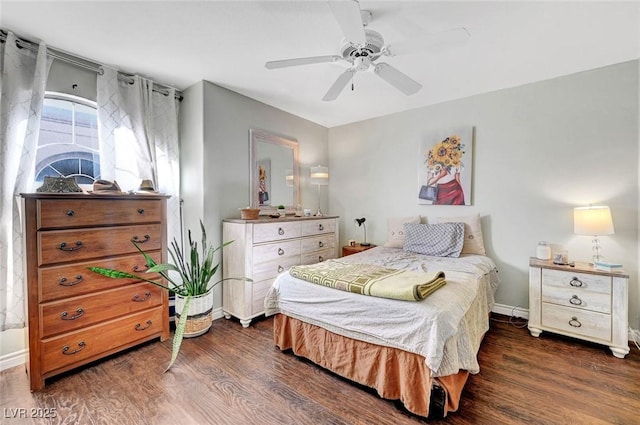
(233, 375)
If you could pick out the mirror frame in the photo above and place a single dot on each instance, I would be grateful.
(259, 136)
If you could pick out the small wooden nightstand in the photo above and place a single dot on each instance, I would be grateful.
(580, 302)
(348, 249)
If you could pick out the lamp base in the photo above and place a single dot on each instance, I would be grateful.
(319, 213)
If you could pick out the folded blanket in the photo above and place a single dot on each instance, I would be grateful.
(367, 279)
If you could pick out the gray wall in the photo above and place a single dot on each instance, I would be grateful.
(539, 150)
(215, 162)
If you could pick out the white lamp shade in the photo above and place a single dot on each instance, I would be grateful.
(320, 175)
(592, 221)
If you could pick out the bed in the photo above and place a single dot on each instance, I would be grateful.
(409, 351)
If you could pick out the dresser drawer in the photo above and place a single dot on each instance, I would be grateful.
(90, 343)
(75, 313)
(72, 280)
(267, 232)
(317, 243)
(62, 213)
(570, 320)
(315, 227)
(318, 256)
(60, 246)
(259, 291)
(273, 251)
(271, 269)
(577, 298)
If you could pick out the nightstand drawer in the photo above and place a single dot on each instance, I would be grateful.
(596, 284)
(579, 322)
(577, 298)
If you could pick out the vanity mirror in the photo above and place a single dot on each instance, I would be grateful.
(274, 175)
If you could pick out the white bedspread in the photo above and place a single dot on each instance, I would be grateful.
(446, 328)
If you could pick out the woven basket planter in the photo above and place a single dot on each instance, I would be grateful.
(200, 315)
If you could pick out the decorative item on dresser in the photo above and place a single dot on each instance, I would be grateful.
(593, 221)
(320, 177)
(354, 249)
(76, 316)
(581, 302)
(265, 248)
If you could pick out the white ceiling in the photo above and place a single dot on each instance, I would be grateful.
(183, 42)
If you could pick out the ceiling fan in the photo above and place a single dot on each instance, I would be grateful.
(362, 47)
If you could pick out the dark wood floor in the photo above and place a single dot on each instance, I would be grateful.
(236, 376)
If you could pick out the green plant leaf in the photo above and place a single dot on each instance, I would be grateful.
(179, 333)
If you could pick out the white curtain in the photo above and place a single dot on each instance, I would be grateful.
(138, 130)
(22, 84)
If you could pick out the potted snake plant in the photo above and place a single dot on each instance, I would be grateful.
(192, 272)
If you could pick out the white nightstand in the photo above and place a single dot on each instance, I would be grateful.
(580, 302)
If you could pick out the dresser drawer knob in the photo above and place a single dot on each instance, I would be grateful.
(575, 322)
(66, 352)
(320, 258)
(575, 282)
(280, 251)
(71, 213)
(280, 231)
(139, 327)
(280, 269)
(63, 281)
(320, 226)
(575, 300)
(136, 298)
(320, 244)
(63, 246)
(139, 269)
(135, 239)
(141, 211)
(80, 313)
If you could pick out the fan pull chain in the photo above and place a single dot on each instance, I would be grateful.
(352, 76)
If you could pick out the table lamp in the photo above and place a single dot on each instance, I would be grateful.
(360, 222)
(594, 220)
(319, 177)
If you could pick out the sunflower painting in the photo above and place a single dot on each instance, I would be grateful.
(445, 169)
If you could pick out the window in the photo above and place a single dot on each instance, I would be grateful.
(68, 142)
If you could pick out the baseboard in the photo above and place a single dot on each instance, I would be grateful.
(14, 359)
(509, 310)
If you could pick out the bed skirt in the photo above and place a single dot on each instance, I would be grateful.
(395, 374)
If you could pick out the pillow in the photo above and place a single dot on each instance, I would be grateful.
(473, 241)
(395, 230)
(438, 240)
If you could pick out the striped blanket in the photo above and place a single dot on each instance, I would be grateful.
(368, 279)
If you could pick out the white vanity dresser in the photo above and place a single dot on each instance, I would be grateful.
(264, 248)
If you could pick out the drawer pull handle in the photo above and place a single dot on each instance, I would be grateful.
(63, 281)
(320, 258)
(320, 244)
(320, 227)
(280, 269)
(140, 210)
(280, 231)
(66, 352)
(139, 269)
(575, 282)
(64, 315)
(135, 239)
(140, 328)
(71, 213)
(63, 246)
(575, 300)
(575, 322)
(280, 251)
(136, 298)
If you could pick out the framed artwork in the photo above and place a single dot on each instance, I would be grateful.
(446, 168)
(264, 182)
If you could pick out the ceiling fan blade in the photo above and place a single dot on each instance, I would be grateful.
(301, 61)
(339, 84)
(349, 18)
(397, 79)
(439, 40)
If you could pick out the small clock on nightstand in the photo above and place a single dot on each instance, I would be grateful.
(348, 249)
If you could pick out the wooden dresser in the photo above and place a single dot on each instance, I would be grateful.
(76, 316)
(264, 248)
(580, 302)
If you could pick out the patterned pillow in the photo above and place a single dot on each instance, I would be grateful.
(395, 230)
(473, 240)
(438, 240)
